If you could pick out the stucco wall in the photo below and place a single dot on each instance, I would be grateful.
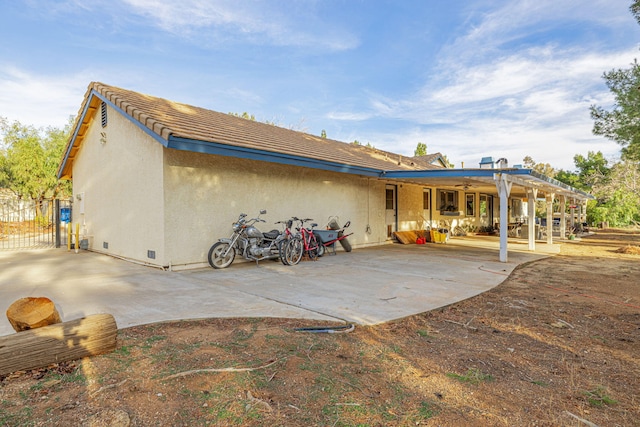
(139, 196)
(204, 194)
(120, 182)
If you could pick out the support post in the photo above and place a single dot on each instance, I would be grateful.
(532, 194)
(549, 199)
(504, 189)
(563, 216)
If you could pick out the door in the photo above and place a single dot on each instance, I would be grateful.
(426, 209)
(486, 210)
(391, 210)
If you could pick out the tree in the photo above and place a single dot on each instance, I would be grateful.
(618, 196)
(622, 123)
(244, 115)
(542, 168)
(29, 160)
(421, 150)
(323, 134)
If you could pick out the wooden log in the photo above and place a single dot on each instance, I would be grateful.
(31, 313)
(36, 348)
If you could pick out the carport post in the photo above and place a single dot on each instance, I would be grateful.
(504, 189)
(563, 217)
(550, 197)
(532, 194)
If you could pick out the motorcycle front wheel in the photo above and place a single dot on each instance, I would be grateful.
(217, 257)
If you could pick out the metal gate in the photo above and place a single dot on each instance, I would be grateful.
(29, 224)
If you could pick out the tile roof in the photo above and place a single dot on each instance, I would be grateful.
(167, 119)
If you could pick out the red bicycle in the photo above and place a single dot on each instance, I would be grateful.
(304, 242)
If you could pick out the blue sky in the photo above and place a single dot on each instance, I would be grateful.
(468, 78)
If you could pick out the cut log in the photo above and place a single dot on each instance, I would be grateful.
(36, 348)
(31, 313)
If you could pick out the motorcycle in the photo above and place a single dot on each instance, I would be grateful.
(246, 241)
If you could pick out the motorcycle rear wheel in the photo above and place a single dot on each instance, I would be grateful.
(216, 256)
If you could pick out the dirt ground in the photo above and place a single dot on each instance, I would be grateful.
(556, 344)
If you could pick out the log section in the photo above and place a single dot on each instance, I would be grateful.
(88, 336)
(31, 313)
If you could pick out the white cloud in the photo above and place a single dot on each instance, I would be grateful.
(39, 100)
(348, 115)
(295, 24)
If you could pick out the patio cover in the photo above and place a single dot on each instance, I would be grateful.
(506, 182)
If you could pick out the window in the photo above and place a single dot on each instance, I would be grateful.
(471, 204)
(425, 199)
(448, 200)
(103, 114)
(390, 202)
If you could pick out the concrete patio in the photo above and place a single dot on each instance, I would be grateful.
(366, 286)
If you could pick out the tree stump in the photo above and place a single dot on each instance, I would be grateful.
(31, 313)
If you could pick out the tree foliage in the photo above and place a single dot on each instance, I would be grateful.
(618, 195)
(421, 150)
(543, 168)
(622, 122)
(29, 160)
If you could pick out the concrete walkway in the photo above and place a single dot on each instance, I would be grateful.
(366, 286)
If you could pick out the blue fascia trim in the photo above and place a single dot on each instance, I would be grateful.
(451, 173)
(142, 127)
(119, 110)
(219, 149)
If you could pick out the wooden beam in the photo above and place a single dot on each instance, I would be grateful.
(36, 348)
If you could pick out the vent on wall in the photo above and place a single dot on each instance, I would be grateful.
(103, 114)
(151, 254)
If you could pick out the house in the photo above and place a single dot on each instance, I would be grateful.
(158, 182)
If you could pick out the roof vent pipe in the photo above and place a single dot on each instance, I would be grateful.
(502, 163)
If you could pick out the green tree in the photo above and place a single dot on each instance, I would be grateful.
(323, 134)
(421, 150)
(29, 160)
(542, 168)
(622, 123)
(618, 196)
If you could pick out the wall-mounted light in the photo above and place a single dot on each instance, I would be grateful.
(103, 138)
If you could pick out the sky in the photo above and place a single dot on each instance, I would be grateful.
(468, 78)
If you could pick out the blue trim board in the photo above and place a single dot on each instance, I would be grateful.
(198, 146)
(92, 94)
(451, 173)
(142, 127)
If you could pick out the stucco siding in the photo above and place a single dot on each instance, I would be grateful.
(118, 176)
(205, 193)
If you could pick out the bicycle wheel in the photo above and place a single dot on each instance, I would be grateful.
(313, 247)
(217, 257)
(282, 249)
(294, 250)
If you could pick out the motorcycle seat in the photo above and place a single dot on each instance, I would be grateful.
(272, 234)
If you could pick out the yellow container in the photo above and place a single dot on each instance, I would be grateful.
(438, 237)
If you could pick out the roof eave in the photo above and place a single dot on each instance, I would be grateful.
(198, 146)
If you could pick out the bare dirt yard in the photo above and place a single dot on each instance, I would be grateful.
(556, 344)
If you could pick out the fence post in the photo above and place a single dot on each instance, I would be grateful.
(57, 220)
